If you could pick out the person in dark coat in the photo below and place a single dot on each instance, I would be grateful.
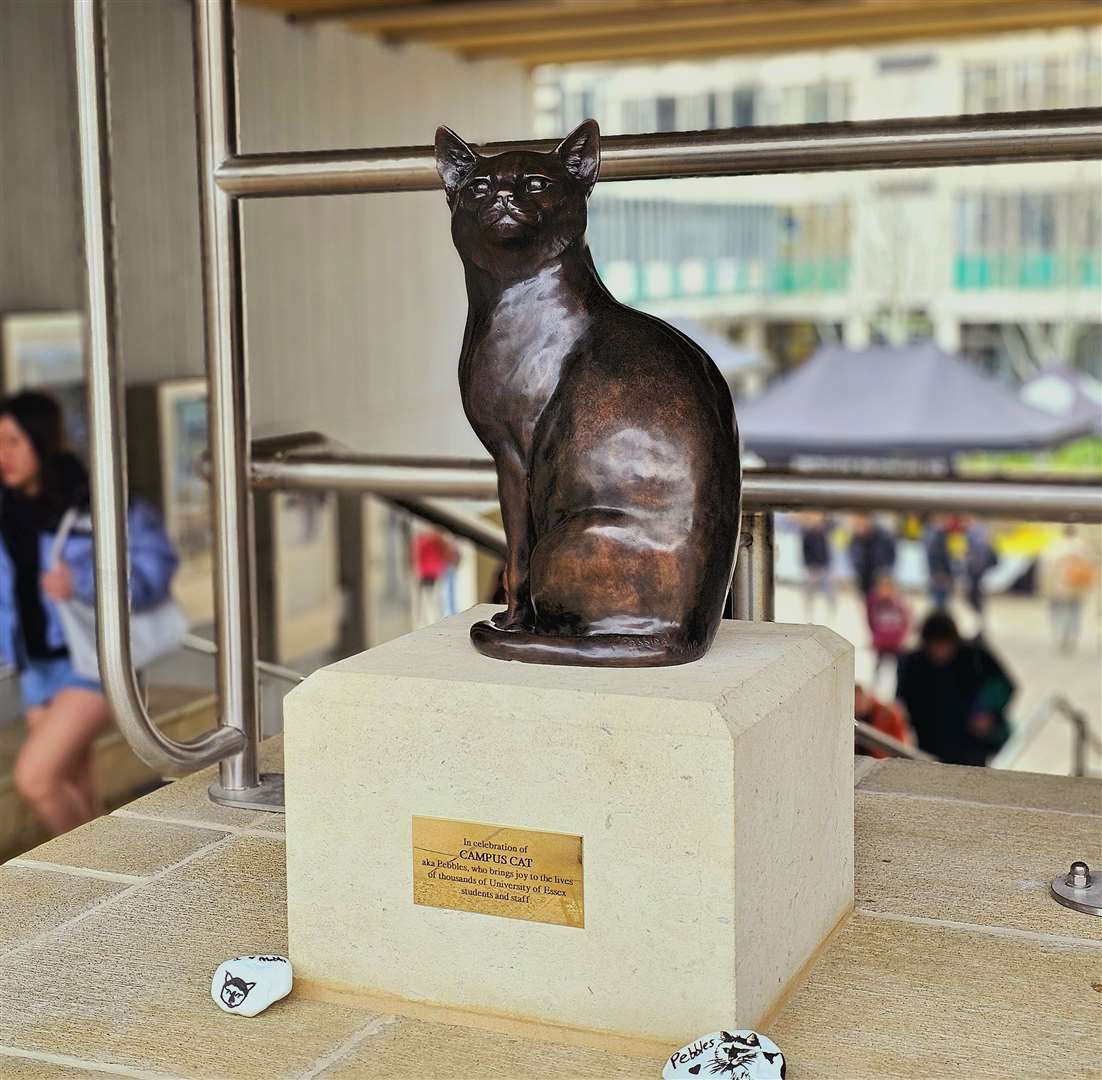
(815, 532)
(955, 694)
(980, 558)
(871, 553)
(939, 563)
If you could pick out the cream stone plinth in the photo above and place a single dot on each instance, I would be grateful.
(715, 803)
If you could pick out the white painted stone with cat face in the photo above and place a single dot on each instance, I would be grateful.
(247, 985)
(727, 1055)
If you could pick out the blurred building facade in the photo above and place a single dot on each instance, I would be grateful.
(1001, 262)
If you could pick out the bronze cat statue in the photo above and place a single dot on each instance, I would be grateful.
(613, 434)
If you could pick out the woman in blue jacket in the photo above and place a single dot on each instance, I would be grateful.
(39, 482)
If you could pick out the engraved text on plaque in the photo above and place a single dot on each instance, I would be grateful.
(498, 870)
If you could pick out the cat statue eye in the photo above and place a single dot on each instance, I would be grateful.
(612, 433)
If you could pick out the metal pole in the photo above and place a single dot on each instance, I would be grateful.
(870, 738)
(107, 423)
(1053, 135)
(1023, 500)
(752, 585)
(224, 315)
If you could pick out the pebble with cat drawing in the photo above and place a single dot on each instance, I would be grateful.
(613, 434)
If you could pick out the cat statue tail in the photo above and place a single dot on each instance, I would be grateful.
(595, 650)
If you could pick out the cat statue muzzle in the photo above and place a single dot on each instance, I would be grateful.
(613, 434)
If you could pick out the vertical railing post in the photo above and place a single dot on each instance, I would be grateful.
(752, 586)
(107, 425)
(224, 321)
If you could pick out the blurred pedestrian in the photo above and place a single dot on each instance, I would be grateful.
(40, 482)
(815, 532)
(955, 694)
(885, 718)
(889, 621)
(434, 555)
(871, 552)
(1067, 576)
(939, 564)
(979, 557)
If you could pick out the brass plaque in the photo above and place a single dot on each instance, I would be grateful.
(498, 870)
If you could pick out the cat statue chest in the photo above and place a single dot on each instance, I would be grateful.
(512, 362)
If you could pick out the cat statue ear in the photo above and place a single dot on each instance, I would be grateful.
(580, 152)
(454, 160)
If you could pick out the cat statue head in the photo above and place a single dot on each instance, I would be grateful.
(235, 990)
(515, 212)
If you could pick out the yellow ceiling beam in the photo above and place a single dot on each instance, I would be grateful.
(388, 17)
(589, 28)
(809, 33)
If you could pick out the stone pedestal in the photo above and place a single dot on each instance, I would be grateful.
(653, 853)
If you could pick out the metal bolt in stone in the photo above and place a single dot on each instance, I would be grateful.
(1079, 876)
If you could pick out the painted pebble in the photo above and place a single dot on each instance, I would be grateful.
(727, 1055)
(247, 985)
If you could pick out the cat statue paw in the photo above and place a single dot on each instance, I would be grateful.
(728, 1055)
(247, 985)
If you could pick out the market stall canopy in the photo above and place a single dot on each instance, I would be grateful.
(910, 400)
(1065, 392)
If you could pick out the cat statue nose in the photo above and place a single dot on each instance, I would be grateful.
(505, 195)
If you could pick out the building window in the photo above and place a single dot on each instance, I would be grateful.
(666, 114)
(817, 104)
(742, 107)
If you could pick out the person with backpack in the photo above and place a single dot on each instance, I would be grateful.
(1068, 575)
(889, 620)
(41, 484)
(955, 694)
(871, 552)
(815, 531)
(979, 557)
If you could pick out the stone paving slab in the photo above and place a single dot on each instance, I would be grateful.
(185, 801)
(119, 845)
(986, 866)
(403, 1048)
(996, 787)
(19, 1068)
(895, 998)
(128, 985)
(929, 978)
(33, 901)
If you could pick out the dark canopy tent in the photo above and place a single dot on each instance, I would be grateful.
(910, 401)
(1065, 392)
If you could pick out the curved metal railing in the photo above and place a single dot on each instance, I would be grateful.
(1049, 708)
(108, 439)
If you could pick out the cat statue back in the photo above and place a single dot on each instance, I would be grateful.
(613, 434)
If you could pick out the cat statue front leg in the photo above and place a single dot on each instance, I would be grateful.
(512, 487)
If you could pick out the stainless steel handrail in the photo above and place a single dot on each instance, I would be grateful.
(107, 424)
(1050, 706)
(196, 644)
(872, 739)
(1055, 135)
(752, 591)
(484, 534)
(224, 324)
(761, 491)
